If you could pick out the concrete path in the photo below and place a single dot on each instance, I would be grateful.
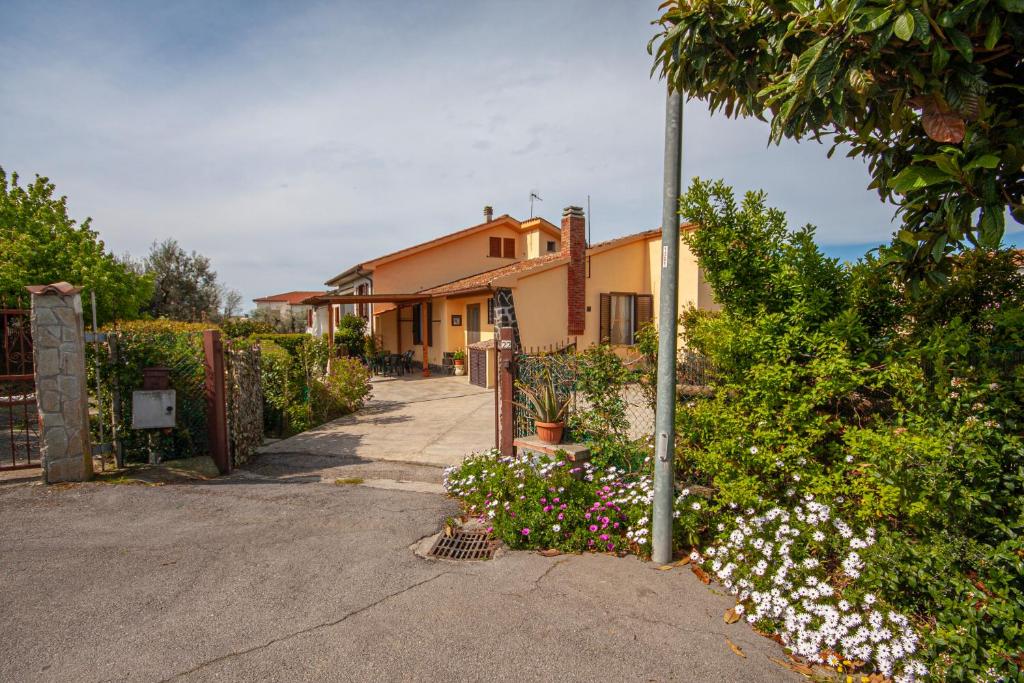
(427, 421)
(262, 578)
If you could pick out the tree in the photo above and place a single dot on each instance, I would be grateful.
(230, 302)
(41, 244)
(929, 93)
(185, 285)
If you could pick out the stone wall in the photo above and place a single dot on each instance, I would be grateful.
(245, 400)
(61, 392)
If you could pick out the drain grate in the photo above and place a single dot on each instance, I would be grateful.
(464, 545)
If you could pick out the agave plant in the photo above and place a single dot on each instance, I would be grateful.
(544, 404)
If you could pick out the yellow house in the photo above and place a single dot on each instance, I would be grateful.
(448, 294)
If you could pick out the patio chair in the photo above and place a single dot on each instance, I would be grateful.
(407, 361)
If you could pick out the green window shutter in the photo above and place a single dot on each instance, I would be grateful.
(606, 319)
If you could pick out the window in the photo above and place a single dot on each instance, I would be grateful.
(551, 246)
(309, 318)
(510, 247)
(417, 324)
(622, 315)
(495, 247)
(490, 311)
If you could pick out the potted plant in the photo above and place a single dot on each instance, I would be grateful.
(547, 410)
(459, 359)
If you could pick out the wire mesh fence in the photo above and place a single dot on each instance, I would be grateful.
(182, 354)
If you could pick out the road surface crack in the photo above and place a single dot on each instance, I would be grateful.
(309, 629)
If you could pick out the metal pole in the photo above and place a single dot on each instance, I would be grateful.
(665, 414)
(99, 388)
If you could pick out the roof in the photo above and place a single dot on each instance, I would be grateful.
(482, 280)
(291, 298)
(529, 224)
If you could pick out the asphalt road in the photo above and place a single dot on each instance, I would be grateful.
(257, 578)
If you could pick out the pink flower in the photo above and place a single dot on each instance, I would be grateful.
(611, 546)
(603, 537)
(606, 489)
(543, 500)
(593, 527)
(548, 508)
(556, 500)
(490, 529)
(604, 520)
(560, 516)
(562, 506)
(586, 516)
(526, 531)
(616, 525)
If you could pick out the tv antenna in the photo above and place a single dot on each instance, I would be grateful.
(534, 195)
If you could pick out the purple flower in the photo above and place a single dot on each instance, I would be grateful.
(586, 516)
(611, 546)
(548, 508)
(560, 516)
(593, 527)
(603, 537)
(606, 489)
(556, 500)
(604, 520)
(526, 531)
(562, 506)
(543, 500)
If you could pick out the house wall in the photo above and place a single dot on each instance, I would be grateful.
(444, 263)
(456, 336)
(632, 268)
(387, 325)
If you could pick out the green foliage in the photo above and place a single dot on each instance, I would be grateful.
(544, 403)
(245, 327)
(351, 333)
(298, 391)
(928, 93)
(899, 412)
(184, 285)
(42, 245)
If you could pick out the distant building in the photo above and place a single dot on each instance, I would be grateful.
(287, 309)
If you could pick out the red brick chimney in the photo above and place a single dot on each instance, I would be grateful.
(574, 245)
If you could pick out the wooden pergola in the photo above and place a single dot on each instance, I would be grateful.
(398, 299)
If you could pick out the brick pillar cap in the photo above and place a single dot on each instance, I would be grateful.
(63, 288)
(572, 211)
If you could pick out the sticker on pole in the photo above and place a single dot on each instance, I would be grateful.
(664, 256)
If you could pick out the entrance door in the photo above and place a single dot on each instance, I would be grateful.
(472, 323)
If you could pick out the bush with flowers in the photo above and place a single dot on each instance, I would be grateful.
(542, 501)
(871, 437)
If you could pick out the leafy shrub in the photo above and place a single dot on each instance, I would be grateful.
(899, 411)
(351, 333)
(549, 502)
(245, 327)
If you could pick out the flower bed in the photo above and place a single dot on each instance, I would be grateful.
(541, 501)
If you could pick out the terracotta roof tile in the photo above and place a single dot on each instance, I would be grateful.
(481, 280)
(292, 298)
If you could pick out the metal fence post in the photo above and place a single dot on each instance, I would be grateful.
(115, 402)
(216, 399)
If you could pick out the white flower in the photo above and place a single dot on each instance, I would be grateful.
(695, 506)
(556, 527)
(753, 450)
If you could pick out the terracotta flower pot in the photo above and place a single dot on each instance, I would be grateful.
(550, 432)
(460, 367)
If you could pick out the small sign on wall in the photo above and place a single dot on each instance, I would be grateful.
(456, 320)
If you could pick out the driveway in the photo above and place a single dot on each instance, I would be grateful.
(262, 578)
(422, 421)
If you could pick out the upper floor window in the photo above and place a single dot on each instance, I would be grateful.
(551, 246)
(502, 247)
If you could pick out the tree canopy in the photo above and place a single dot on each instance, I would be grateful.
(41, 244)
(929, 93)
(185, 285)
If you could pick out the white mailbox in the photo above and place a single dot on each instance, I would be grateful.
(153, 409)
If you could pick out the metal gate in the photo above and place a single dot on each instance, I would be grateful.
(19, 421)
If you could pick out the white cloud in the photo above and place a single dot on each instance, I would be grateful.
(289, 143)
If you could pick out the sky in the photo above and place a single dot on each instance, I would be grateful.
(289, 141)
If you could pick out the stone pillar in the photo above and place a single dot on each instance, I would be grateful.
(58, 339)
